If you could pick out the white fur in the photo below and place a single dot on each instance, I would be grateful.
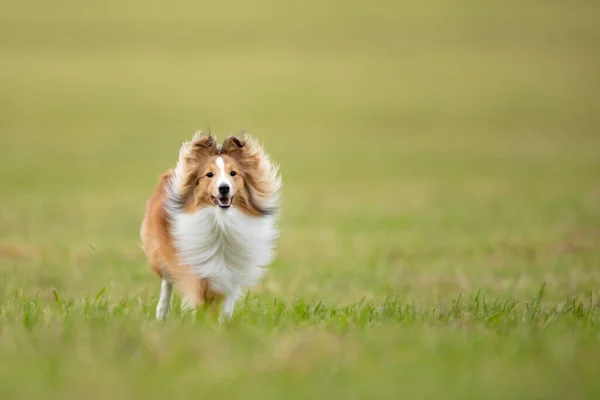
(222, 176)
(226, 247)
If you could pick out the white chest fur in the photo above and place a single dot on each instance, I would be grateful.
(226, 247)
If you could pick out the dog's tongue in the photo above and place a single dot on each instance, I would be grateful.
(224, 201)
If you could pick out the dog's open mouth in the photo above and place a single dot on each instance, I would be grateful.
(222, 202)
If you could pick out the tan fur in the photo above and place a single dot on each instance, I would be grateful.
(155, 234)
(187, 188)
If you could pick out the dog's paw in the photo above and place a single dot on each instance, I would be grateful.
(162, 312)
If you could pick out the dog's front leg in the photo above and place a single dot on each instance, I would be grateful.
(228, 305)
(164, 302)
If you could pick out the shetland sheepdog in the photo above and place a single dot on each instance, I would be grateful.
(210, 226)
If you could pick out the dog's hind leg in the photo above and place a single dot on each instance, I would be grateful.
(196, 292)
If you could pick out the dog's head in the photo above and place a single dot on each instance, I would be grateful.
(236, 174)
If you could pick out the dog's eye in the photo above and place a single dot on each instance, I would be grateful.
(209, 175)
(233, 173)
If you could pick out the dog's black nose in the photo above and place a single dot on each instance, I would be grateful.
(224, 189)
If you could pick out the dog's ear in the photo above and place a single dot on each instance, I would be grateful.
(201, 147)
(232, 144)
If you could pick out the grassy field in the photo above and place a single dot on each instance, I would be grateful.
(441, 227)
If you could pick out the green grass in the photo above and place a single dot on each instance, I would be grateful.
(441, 227)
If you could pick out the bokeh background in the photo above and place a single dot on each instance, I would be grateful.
(428, 148)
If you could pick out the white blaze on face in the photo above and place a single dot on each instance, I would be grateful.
(223, 178)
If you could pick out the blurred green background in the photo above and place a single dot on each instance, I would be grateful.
(428, 148)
